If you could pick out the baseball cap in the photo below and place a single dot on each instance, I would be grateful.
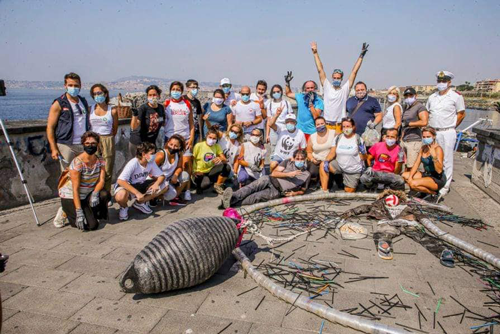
(290, 117)
(410, 91)
(225, 81)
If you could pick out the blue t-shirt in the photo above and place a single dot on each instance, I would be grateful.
(365, 113)
(305, 119)
(216, 117)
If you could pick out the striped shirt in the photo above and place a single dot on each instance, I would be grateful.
(89, 177)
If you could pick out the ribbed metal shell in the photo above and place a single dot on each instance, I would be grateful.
(185, 253)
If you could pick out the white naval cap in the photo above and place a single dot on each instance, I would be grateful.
(445, 75)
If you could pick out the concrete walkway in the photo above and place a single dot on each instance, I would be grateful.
(65, 281)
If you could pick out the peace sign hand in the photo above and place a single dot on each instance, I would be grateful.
(288, 77)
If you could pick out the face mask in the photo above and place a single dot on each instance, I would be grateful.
(360, 95)
(151, 158)
(442, 86)
(347, 131)
(233, 135)
(321, 128)
(390, 142)
(211, 142)
(153, 101)
(255, 139)
(194, 92)
(299, 164)
(218, 101)
(226, 90)
(427, 141)
(391, 98)
(90, 150)
(173, 150)
(410, 100)
(290, 127)
(99, 98)
(336, 83)
(175, 95)
(277, 95)
(245, 98)
(73, 91)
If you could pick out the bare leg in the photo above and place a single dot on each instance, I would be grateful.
(425, 185)
(187, 165)
(323, 177)
(121, 197)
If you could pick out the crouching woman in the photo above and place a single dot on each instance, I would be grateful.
(82, 194)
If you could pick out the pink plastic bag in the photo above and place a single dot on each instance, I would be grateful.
(233, 213)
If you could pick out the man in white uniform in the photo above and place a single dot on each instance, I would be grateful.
(446, 111)
(335, 95)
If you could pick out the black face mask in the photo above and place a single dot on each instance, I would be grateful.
(90, 150)
(173, 150)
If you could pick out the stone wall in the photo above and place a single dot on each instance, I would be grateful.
(40, 171)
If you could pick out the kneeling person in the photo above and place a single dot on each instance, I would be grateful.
(133, 182)
(388, 159)
(290, 178)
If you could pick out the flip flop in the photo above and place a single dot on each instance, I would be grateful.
(447, 259)
(384, 250)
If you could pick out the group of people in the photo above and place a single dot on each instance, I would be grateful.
(225, 142)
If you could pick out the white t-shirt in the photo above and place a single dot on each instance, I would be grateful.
(289, 142)
(254, 97)
(443, 109)
(246, 113)
(347, 154)
(179, 112)
(253, 155)
(272, 107)
(389, 121)
(134, 172)
(79, 122)
(231, 151)
(232, 97)
(335, 101)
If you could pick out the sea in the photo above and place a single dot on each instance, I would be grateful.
(34, 104)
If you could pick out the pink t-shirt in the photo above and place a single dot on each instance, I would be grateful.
(384, 159)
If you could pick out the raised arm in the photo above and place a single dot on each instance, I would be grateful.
(272, 122)
(357, 65)
(288, 90)
(319, 64)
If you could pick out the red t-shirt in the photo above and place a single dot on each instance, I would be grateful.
(384, 158)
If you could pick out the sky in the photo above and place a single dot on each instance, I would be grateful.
(249, 40)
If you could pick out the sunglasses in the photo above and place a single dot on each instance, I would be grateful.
(442, 80)
(245, 94)
(226, 85)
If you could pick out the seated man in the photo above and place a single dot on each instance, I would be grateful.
(290, 178)
(388, 159)
(133, 182)
(290, 138)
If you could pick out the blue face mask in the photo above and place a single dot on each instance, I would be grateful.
(299, 164)
(99, 98)
(290, 127)
(427, 141)
(245, 98)
(233, 135)
(194, 92)
(277, 95)
(73, 91)
(226, 90)
(175, 94)
(336, 83)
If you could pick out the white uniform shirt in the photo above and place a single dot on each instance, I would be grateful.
(246, 113)
(335, 101)
(443, 109)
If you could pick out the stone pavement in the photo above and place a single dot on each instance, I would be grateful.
(65, 281)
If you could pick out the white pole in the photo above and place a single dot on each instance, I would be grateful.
(23, 181)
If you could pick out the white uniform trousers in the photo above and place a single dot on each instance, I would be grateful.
(447, 139)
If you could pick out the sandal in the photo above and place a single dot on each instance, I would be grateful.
(384, 250)
(447, 259)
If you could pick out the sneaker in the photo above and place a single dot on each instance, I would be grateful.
(123, 215)
(153, 203)
(60, 219)
(144, 208)
(219, 188)
(226, 197)
(187, 195)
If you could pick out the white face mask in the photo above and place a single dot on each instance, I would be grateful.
(410, 100)
(211, 142)
(391, 98)
(254, 139)
(218, 101)
(442, 86)
(347, 131)
(390, 141)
